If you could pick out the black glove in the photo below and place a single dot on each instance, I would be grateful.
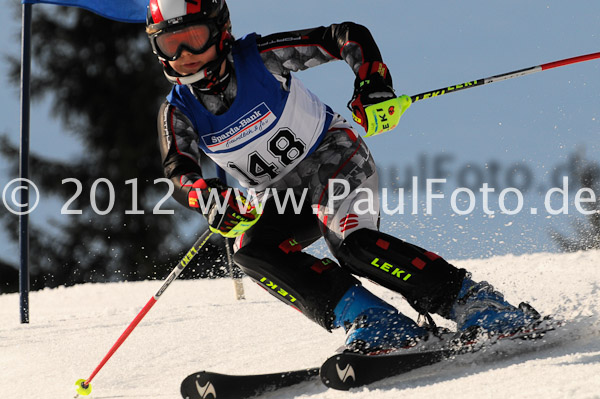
(220, 206)
(373, 85)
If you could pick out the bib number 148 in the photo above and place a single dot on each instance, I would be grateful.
(284, 146)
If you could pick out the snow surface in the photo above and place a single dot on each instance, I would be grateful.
(200, 325)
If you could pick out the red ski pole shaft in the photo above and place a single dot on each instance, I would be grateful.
(170, 278)
(504, 76)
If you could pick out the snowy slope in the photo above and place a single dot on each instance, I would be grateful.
(199, 325)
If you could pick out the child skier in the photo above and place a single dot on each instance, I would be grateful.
(237, 101)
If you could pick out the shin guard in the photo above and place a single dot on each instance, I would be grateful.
(427, 281)
(313, 286)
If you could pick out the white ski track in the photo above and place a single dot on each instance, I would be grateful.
(199, 325)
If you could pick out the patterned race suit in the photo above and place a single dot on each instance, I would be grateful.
(271, 133)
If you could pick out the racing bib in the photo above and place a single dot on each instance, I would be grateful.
(267, 131)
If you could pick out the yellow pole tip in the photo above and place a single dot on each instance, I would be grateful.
(83, 389)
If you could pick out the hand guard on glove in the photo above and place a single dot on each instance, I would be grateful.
(374, 104)
(219, 205)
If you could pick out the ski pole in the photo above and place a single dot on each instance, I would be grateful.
(84, 385)
(233, 270)
(384, 116)
(505, 76)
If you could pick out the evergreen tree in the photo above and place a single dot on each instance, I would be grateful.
(106, 86)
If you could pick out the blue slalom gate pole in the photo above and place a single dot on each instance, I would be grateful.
(24, 162)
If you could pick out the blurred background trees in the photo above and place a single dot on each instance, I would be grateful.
(586, 230)
(106, 87)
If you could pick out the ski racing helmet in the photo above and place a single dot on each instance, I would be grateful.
(193, 25)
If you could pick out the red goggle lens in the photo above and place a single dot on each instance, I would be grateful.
(195, 38)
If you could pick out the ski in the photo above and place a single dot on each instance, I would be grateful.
(209, 385)
(347, 370)
(350, 370)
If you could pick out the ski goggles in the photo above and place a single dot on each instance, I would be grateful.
(194, 38)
